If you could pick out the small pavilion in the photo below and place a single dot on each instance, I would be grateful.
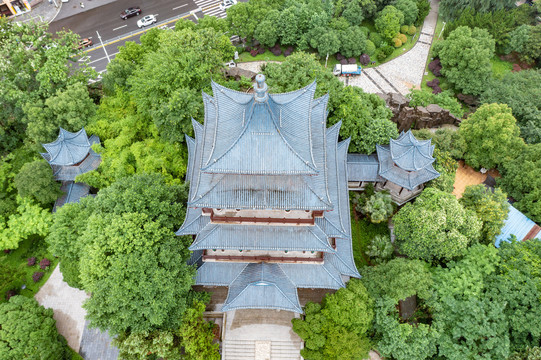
(402, 168)
(71, 155)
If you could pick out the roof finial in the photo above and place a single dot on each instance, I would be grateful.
(260, 88)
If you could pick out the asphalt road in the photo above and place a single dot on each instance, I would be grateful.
(106, 19)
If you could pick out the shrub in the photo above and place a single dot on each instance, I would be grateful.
(435, 67)
(344, 61)
(404, 29)
(44, 263)
(376, 38)
(402, 38)
(276, 50)
(261, 50)
(370, 47)
(31, 261)
(380, 249)
(397, 42)
(288, 51)
(364, 59)
(254, 52)
(436, 90)
(365, 30)
(339, 56)
(352, 60)
(380, 55)
(424, 9)
(37, 276)
(388, 50)
(412, 30)
(433, 83)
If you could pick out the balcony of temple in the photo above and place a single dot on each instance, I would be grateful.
(257, 256)
(262, 217)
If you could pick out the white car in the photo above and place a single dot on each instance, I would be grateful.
(226, 4)
(146, 21)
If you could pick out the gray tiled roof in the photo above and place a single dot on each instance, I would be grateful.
(407, 179)
(193, 223)
(411, 154)
(68, 149)
(73, 192)
(262, 237)
(363, 167)
(262, 286)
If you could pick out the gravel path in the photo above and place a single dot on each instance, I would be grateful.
(66, 303)
(403, 72)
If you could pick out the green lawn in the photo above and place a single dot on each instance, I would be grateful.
(14, 271)
(429, 76)
(362, 232)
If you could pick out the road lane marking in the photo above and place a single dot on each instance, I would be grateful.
(84, 58)
(105, 57)
(178, 7)
(120, 27)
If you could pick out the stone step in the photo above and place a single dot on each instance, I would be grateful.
(377, 79)
(246, 349)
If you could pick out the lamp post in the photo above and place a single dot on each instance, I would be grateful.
(103, 46)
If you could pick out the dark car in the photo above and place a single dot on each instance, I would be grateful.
(133, 11)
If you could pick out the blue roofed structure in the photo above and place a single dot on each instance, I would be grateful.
(402, 167)
(71, 154)
(268, 204)
(519, 225)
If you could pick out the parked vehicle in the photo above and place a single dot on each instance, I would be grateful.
(226, 4)
(129, 12)
(84, 43)
(347, 70)
(146, 21)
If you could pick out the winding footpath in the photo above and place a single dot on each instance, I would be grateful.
(406, 71)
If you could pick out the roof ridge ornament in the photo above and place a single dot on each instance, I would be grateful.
(260, 87)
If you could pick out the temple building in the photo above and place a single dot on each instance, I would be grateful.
(402, 168)
(71, 155)
(268, 204)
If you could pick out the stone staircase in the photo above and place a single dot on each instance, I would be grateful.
(261, 350)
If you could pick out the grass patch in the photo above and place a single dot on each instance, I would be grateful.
(74, 355)
(266, 56)
(428, 74)
(14, 271)
(362, 232)
(500, 67)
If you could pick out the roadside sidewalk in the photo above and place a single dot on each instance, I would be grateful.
(43, 11)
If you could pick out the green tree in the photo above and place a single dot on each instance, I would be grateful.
(465, 58)
(266, 31)
(469, 322)
(521, 179)
(36, 180)
(451, 9)
(40, 65)
(520, 91)
(69, 108)
(356, 11)
(65, 241)
(445, 140)
(218, 24)
(531, 51)
(197, 336)
(379, 207)
(436, 227)
(30, 219)
(28, 331)
(352, 42)
(491, 135)
(409, 10)
(388, 22)
(380, 249)
(327, 43)
(365, 118)
(244, 18)
(491, 208)
(447, 167)
(336, 329)
(389, 283)
(518, 284)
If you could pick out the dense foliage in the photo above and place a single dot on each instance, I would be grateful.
(465, 58)
(521, 179)
(28, 331)
(445, 99)
(436, 227)
(35, 180)
(491, 135)
(491, 208)
(451, 9)
(337, 328)
(522, 93)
